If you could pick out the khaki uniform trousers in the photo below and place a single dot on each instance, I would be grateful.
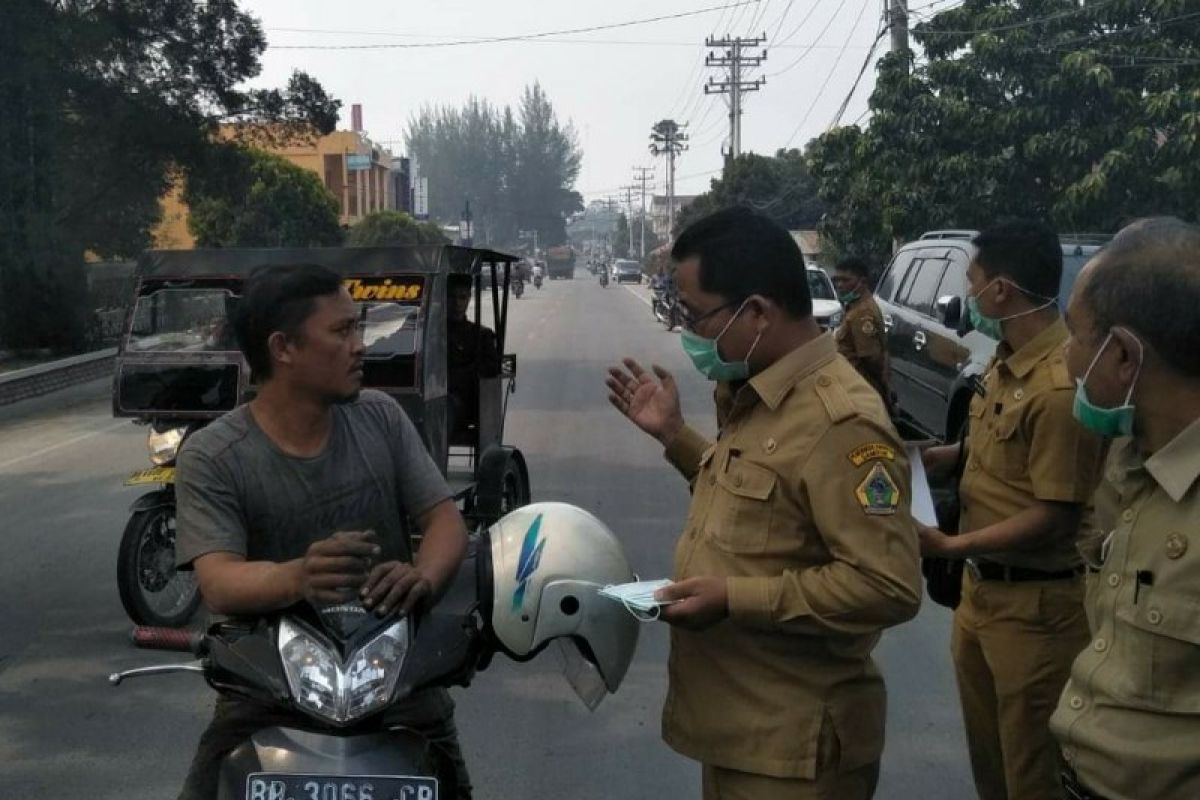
(1013, 645)
(729, 784)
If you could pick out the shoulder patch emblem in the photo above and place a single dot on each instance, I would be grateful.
(878, 494)
(875, 451)
(868, 328)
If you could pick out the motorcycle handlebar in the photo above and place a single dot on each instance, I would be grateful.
(176, 639)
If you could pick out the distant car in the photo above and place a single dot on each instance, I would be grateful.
(625, 269)
(936, 358)
(827, 311)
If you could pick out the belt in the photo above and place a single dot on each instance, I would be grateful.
(1074, 789)
(991, 571)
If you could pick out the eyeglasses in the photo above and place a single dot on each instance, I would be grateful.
(691, 322)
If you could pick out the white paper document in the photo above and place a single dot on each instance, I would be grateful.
(922, 497)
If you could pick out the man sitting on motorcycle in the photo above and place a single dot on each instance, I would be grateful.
(301, 496)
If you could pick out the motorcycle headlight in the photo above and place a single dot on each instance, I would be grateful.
(321, 684)
(164, 445)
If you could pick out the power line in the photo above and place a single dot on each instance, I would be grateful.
(832, 18)
(779, 25)
(1029, 23)
(545, 40)
(883, 31)
(829, 77)
(812, 10)
(523, 36)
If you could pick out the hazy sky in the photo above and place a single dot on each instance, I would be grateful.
(613, 84)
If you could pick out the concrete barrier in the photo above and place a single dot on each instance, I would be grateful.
(23, 384)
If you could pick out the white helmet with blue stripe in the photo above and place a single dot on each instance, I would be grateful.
(548, 561)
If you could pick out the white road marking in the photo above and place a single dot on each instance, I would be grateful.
(65, 443)
(638, 296)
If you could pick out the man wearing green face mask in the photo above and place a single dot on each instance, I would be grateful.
(1129, 718)
(861, 337)
(799, 548)
(1030, 472)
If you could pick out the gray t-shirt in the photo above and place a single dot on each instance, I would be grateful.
(238, 492)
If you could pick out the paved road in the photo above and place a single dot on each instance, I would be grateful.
(64, 733)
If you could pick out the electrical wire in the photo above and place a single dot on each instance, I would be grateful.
(832, 18)
(883, 31)
(523, 36)
(829, 77)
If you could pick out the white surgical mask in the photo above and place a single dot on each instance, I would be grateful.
(638, 597)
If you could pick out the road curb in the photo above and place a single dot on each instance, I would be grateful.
(43, 379)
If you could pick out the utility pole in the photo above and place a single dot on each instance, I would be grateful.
(667, 138)
(644, 176)
(735, 60)
(897, 12)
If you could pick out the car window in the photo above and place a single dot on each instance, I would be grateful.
(1072, 264)
(894, 274)
(920, 291)
(819, 285)
(954, 282)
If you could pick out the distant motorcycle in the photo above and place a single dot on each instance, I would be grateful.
(518, 287)
(666, 308)
(604, 279)
(537, 280)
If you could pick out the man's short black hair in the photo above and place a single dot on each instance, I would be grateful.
(854, 265)
(1147, 279)
(742, 253)
(1026, 252)
(278, 298)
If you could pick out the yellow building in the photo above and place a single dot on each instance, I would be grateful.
(355, 170)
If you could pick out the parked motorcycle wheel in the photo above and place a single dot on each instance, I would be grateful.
(152, 591)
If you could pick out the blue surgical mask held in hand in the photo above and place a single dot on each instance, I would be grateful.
(1108, 422)
(706, 357)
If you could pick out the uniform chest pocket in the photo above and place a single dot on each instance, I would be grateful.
(1007, 451)
(742, 505)
(1162, 640)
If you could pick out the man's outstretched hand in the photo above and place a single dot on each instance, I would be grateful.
(652, 405)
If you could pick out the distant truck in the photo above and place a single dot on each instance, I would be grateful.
(560, 262)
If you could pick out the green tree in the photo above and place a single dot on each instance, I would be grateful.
(256, 199)
(382, 228)
(1082, 114)
(620, 240)
(778, 186)
(103, 102)
(517, 168)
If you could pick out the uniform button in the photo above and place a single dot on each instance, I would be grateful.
(824, 380)
(1114, 580)
(1127, 515)
(1076, 703)
(1018, 394)
(1100, 645)
(1069, 753)
(1154, 616)
(1177, 545)
(974, 465)
(770, 446)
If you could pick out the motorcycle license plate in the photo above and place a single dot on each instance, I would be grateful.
(152, 475)
(270, 786)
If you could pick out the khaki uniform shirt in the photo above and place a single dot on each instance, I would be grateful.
(862, 339)
(1129, 719)
(803, 504)
(1024, 446)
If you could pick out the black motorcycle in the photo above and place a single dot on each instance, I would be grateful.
(518, 286)
(604, 278)
(338, 670)
(666, 308)
(152, 591)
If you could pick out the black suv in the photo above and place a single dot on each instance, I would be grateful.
(936, 357)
